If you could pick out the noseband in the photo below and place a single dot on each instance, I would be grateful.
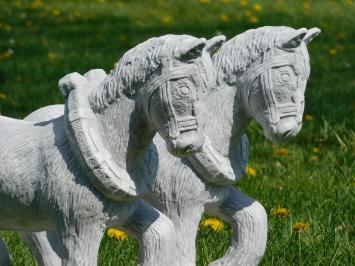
(276, 110)
(162, 83)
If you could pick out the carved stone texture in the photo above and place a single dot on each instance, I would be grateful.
(261, 74)
(78, 173)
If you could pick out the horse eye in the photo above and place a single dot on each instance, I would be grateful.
(184, 90)
(285, 76)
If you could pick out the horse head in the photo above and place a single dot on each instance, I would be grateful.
(276, 85)
(270, 68)
(171, 98)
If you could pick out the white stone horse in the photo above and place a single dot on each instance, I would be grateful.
(44, 184)
(262, 74)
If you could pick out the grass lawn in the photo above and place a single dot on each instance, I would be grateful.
(313, 177)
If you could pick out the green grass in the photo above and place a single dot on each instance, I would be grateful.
(66, 36)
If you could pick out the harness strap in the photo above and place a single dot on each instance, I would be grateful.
(163, 82)
(263, 70)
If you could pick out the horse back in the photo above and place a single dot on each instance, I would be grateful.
(21, 160)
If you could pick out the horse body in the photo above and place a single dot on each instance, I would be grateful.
(42, 191)
(44, 185)
(19, 171)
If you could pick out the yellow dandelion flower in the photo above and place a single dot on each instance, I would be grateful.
(308, 117)
(251, 171)
(306, 7)
(5, 26)
(300, 227)
(3, 96)
(214, 223)
(167, 20)
(278, 164)
(224, 17)
(280, 212)
(243, 2)
(333, 51)
(323, 25)
(77, 13)
(281, 151)
(55, 12)
(342, 35)
(118, 234)
(52, 56)
(36, 4)
(7, 54)
(204, 1)
(247, 13)
(315, 158)
(120, 4)
(254, 19)
(350, 2)
(122, 38)
(316, 149)
(257, 7)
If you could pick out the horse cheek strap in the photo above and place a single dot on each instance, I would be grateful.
(169, 110)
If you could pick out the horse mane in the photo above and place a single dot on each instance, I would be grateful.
(134, 69)
(236, 55)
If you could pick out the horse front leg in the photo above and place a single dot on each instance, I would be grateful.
(4, 254)
(248, 220)
(45, 247)
(80, 244)
(154, 232)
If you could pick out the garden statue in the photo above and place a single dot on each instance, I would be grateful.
(261, 74)
(77, 174)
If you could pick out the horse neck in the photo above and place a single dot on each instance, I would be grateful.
(127, 133)
(225, 120)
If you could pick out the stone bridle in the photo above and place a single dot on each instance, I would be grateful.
(161, 82)
(275, 111)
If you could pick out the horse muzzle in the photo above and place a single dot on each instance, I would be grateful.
(186, 143)
(284, 130)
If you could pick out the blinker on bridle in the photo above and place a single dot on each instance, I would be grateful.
(275, 110)
(162, 83)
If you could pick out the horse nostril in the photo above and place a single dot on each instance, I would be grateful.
(287, 133)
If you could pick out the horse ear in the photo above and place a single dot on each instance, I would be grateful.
(293, 40)
(190, 50)
(213, 44)
(311, 34)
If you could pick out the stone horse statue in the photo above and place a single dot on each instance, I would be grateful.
(77, 174)
(261, 74)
